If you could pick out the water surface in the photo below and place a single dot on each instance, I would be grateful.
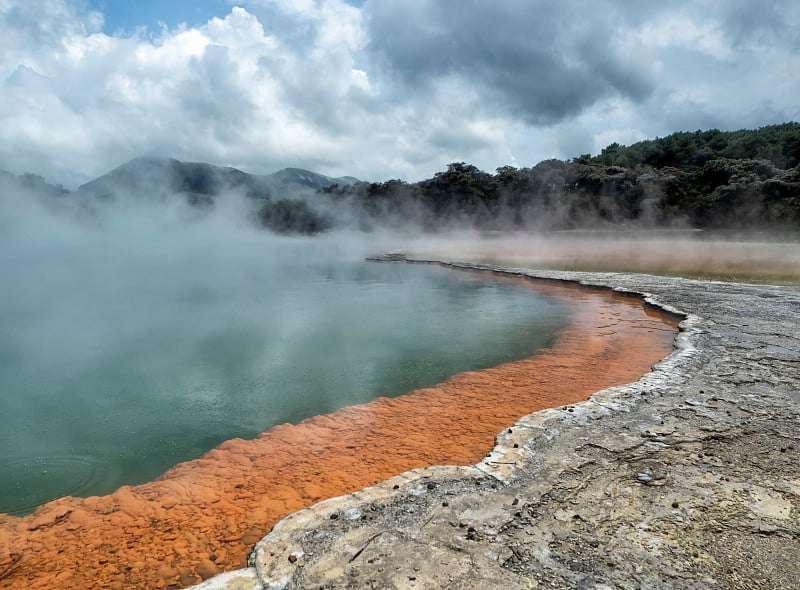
(125, 352)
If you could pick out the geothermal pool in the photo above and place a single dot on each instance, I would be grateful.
(120, 358)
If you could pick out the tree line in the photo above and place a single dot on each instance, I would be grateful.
(703, 179)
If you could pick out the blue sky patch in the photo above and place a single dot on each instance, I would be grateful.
(124, 15)
(127, 15)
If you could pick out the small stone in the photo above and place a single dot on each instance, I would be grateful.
(431, 486)
(292, 558)
(207, 568)
(652, 476)
(674, 504)
(353, 514)
(167, 573)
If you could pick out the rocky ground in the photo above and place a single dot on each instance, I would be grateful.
(688, 478)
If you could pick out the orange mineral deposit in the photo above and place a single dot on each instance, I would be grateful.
(203, 516)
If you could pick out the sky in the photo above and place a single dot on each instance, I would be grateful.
(379, 89)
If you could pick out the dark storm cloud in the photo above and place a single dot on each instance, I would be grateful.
(748, 21)
(544, 60)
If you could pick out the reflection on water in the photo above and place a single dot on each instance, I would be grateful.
(115, 367)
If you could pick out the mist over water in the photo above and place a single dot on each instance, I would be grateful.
(142, 335)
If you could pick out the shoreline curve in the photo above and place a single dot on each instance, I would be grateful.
(99, 541)
(688, 477)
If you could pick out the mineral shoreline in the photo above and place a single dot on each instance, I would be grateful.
(204, 516)
(687, 478)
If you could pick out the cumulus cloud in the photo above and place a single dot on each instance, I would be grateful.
(228, 92)
(386, 89)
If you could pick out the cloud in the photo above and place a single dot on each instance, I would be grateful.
(540, 59)
(228, 92)
(388, 89)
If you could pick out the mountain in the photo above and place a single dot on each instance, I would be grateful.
(297, 177)
(200, 182)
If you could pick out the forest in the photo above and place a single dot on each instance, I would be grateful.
(701, 179)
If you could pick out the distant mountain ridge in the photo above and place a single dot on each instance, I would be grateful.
(301, 177)
(160, 176)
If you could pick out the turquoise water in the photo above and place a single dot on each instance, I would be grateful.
(121, 357)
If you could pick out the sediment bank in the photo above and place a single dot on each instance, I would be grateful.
(204, 516)
(686, 478)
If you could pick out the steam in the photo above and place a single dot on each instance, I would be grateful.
(145, 314)
(86, 281)
(733, 256)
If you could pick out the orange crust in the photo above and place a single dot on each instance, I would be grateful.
(203, 516)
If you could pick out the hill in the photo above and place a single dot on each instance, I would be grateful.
(201, 182)
(690, 151)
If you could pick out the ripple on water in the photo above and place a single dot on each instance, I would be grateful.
(30, 481)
